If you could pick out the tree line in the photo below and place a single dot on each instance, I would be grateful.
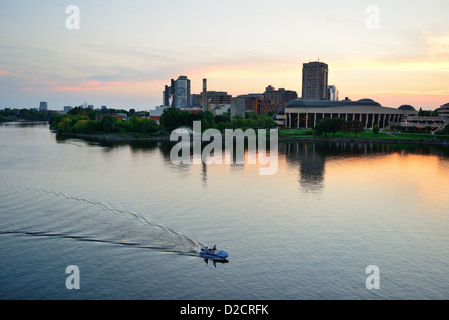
(334, 125)
(25, 114)
(80, 120)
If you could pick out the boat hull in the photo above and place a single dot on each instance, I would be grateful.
(217, 255)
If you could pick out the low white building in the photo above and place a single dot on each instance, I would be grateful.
(306, 113)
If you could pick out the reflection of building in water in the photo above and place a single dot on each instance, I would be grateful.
(311, 163)
(311, 157)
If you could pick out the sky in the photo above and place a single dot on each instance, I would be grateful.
(123, 53)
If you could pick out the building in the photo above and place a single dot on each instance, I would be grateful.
(217, 109)
(259, 105)
(216, 97)
(435, 123)
(43, 106)
(279, 96)
(419, 122)
(314, 81)
(168, 94)
(443, 111)
(195, 100)
(67, 108)
(157, 113)
(306, 113)
(178, 93)
(238, 107)
(332, 93)
(211, 100)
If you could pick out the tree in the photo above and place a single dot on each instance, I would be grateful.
(108, 124)
(84, 126)
(376, 129)
(335, 125)
(323, 126)
(358, 127)
(347, 127)
(224, 117)
(329, 125)
(354, 126)
(207, 119)
(170, 118)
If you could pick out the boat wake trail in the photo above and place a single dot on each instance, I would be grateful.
(39, 212)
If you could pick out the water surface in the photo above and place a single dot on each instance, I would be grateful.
(132, 221)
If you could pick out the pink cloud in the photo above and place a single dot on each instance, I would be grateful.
(91, 85)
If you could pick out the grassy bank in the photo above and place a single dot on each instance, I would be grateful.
(368, 134)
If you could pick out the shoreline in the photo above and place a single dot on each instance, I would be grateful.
(115, 138)
(368, 140)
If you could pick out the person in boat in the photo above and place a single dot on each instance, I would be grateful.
(212, 250)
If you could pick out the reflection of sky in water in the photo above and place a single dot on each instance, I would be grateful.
(329, 212)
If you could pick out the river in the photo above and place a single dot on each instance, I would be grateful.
(132, 221)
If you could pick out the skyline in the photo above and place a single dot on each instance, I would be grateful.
(124, 53)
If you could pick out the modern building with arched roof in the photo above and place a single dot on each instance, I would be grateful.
(301, 113)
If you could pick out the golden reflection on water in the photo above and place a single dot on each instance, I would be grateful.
(416, 178)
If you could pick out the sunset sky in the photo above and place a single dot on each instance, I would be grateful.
(125, 52)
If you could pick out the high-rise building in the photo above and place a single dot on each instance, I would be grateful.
(178, 93)
(314, 81)
(43, 106)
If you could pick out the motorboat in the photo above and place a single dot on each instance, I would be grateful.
(216, 254)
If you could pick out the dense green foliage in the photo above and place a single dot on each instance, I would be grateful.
(329, 125)
(445, 130)
(426, 113)
(79, 120)
(107, 124)
(25, 114)
(354, 126)
(173, 118)
(334, 125)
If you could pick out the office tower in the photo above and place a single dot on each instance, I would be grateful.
(314, 80)
(182, 93)
(43, 106)
(178, 93)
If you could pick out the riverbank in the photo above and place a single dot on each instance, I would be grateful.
(368, 140)
(109, 137)
(142, 138)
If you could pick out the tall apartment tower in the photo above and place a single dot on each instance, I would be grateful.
(314, 81)
(178, 93)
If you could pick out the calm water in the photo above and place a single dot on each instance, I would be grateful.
(132, 221)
